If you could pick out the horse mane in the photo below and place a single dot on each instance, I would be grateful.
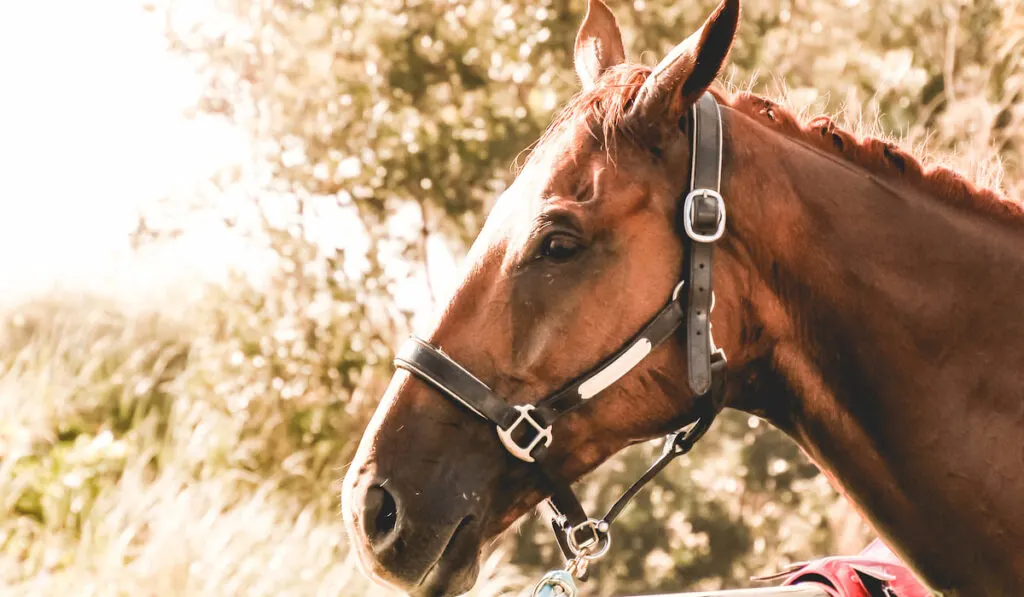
(605, 108)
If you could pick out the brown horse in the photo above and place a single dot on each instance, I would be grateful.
(869, 307)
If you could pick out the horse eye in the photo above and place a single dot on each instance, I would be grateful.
(560, 247)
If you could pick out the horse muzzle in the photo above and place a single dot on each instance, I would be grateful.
(421, 547)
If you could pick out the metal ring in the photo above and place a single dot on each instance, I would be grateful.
(679, 289)
(604, 539)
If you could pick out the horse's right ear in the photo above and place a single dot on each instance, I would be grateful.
(689, 69)
(598, 44)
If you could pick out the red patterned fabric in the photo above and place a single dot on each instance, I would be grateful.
(875, 572)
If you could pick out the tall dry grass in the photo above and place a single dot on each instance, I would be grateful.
(123, 471)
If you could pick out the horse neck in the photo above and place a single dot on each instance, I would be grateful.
(876, 310)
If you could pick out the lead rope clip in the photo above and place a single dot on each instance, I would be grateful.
(557, 583)
(562, 583)
(577, 567)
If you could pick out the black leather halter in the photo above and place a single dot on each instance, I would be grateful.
(526, 430)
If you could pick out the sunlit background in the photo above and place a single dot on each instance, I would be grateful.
(93, 124)
(217, 219)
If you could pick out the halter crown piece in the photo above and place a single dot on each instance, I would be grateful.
(526, 430)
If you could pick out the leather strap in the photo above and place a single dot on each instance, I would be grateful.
(445, 374)
(705, 211)
(662, 327)
(433, 366)
(703, 220)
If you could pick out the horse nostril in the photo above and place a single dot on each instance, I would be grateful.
(380, 516)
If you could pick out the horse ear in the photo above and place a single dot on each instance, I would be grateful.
(689, 69)
(598, 44)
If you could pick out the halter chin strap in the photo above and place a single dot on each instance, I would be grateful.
(526, 430)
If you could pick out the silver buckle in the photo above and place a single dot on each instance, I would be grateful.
(688, 215)
(520, 452)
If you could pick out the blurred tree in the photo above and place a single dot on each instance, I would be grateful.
(401, 119)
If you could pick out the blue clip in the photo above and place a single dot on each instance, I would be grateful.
(557, 583)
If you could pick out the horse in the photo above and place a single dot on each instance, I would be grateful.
(867, 304)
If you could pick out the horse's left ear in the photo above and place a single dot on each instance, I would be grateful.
(689, 69)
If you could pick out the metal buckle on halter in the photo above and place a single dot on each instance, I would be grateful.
(521, 452)
(688, 215)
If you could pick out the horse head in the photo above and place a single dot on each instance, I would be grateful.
(575, 257)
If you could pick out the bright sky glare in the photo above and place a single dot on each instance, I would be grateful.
(91, 128)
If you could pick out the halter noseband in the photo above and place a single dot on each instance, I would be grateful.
(526, 430)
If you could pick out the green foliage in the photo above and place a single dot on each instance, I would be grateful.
(294, 372)
(385, 103)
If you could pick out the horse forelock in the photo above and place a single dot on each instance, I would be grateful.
(603, 110)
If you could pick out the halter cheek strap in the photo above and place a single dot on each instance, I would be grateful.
(526, 430)
(703, 218)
